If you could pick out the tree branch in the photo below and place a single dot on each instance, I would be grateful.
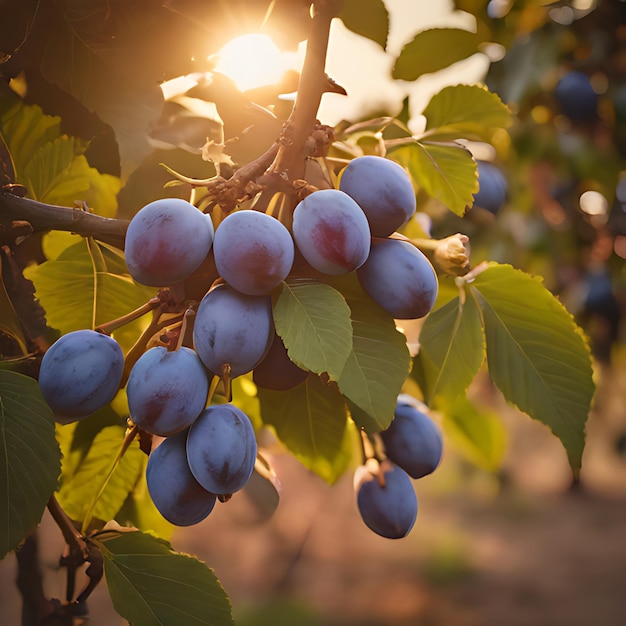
(44, 217)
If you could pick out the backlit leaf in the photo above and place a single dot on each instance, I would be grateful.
(537, 355)
(451, 349)
(434, 49)
(30, 460)
(378, 364)
(313, 320)
(151, 585)
(368, 18)
(446, 172)
(465, 112)
(311, 421)
(87, 285)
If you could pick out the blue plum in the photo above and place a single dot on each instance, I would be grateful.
(383, 190)
(253, 252)
(412, 440)
(493, 187)
(222, 449)
(232, 328)
(80, 373)
(331, 231)
(277, 371)
(399, 278)
(167, 390)
(166, 241)
(577, 97)
(387, 506)
(177, 495)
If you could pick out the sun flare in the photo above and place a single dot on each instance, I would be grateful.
(251, 61)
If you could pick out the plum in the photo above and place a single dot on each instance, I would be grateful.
(493, 187)
(167, 390)
(387, 506)
(413, 441)
(577, 97)
(177, 495)
(253, 252)
(277, 371)
(399, 278)
(232, 328)
(331, 231)
(382, 189)
(222, 449)
(80, 373)
(166, 241)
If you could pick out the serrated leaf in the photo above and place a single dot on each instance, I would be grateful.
(151, 585)
(378, 363)
(478, 434)
(313, 320)
(446, 172)
(451, 349)
(537, 355)
(87, 285)
(77, 492)
(432, 50)
(465, 112)
(311, 421)
(368, 18)
(25, 129)
(30, 460)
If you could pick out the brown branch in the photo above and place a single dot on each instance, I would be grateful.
(44, 217)
(290, 161)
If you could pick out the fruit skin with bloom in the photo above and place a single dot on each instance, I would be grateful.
(80, 373)
(383, 190)
(166, 241)
(493, 187)
(577, 97)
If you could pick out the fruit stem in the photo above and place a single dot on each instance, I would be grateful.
(186, 328)
(73, 538)
(110, 327)
(130, 434)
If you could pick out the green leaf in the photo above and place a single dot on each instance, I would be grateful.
(434, 49)
(30, 460)
(311, 421)
(451, 349)
(151, 585)
(77, 492)
(537, 355)
(465, 112)
(478, 434)
(25, 129)
(87, 285)
(446, 172)
(378, 364)
(313, 320)
(368, 18)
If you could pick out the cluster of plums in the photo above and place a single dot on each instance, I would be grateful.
(412, 446)
(209, 452)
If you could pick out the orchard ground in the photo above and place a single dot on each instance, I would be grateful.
(517, 551)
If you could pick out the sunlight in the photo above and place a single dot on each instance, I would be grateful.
(251, 61)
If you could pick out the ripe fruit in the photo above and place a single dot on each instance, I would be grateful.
(166, 241)
(80, 373)
(177, 495)
(399, 278)
(253, 252)
(331, 232)
(383, 190)
(232, 328)
(576, 96)
(277, 371)
(389, 509)
(413, 441)
(167, 390)
(222, 448)
(493, 187)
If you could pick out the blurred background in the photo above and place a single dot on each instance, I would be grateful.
(502, 536)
